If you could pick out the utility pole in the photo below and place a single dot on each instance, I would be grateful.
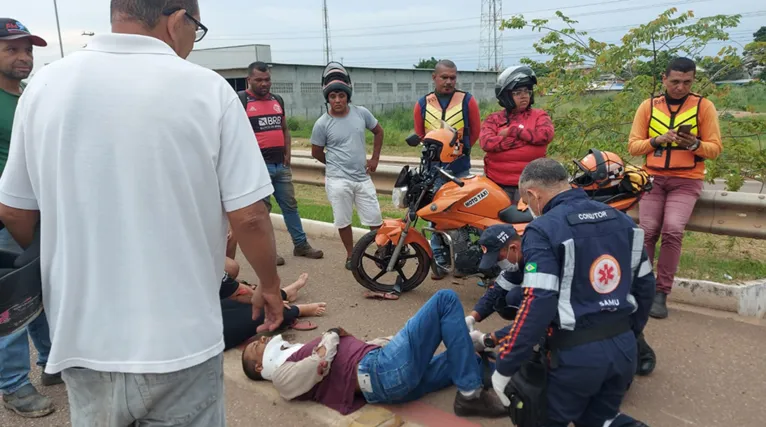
(58, 27)
(326, 20)
(491, 44)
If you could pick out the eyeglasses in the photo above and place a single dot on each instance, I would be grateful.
(520, 92)
(201, 29)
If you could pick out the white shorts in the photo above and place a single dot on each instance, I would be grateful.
(343, 194)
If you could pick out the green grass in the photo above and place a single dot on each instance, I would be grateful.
(722, 258)
(705, 256)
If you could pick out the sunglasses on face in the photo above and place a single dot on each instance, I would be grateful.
(201, 29)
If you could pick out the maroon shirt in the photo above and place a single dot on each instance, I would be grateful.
(338, 389)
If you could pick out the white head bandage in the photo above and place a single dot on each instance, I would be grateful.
(276, 353)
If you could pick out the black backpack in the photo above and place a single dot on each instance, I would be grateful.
(243, 98)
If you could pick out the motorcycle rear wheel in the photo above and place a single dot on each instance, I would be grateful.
(380, 260)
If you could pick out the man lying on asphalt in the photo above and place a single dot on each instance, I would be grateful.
(343, 372)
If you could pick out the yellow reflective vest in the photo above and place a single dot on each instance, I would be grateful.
(662, 119)
(452, 115)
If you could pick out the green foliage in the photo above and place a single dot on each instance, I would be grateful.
(579, 63)
(427, 63)
(760, 35)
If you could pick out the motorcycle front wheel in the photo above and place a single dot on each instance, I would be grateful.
(369, 263)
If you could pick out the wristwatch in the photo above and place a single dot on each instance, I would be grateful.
(488, 341)
(695, 146)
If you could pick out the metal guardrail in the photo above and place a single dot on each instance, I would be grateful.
(716, 212)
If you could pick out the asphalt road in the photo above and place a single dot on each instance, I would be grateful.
(711, 370)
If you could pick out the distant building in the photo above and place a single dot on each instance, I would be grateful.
(378, 89)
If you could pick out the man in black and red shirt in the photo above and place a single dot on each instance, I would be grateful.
(267, 116)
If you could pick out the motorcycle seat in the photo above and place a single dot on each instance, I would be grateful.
(512, 215)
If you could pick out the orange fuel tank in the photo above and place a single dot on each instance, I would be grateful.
(478, 203)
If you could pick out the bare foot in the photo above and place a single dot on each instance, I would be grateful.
(292, 289)
(309, 310)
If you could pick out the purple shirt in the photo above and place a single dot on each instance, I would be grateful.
(338, 389)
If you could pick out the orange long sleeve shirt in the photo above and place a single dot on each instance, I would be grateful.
(709, 134)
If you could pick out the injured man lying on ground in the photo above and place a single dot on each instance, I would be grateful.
(343, 372)
(237, 310)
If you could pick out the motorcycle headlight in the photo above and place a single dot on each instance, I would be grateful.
(399, 197)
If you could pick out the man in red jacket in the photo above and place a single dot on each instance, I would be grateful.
(517, 135)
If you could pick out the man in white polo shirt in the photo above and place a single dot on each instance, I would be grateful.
(132, 176)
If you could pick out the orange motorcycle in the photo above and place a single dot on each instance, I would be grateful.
(460, 209)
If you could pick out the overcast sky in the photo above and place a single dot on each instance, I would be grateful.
(391, 33)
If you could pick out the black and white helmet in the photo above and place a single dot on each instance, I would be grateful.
(335, 78)
(510, 79)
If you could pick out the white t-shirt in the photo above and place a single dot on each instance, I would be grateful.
(132, 155)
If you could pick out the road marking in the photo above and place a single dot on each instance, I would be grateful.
(677, 417)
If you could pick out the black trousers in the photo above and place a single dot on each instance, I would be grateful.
(238, 323)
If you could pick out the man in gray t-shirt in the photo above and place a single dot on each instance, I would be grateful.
(338, 141)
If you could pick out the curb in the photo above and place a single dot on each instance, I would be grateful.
(316, 229)
(747, 299)
(367, 416)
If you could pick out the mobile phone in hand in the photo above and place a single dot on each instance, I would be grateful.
(687, 129)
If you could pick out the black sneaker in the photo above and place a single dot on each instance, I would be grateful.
(487, 405)
(50, 379)
(659, 306)
(647, 359)
(439, 274)
(28, 402)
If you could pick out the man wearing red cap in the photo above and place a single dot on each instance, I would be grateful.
(19, 395)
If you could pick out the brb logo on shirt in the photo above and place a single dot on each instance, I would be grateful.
(605, 274)
(266, 123)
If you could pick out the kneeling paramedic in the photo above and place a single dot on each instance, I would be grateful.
(504, 295)
(588, 288)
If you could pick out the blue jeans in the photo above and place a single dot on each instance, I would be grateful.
(406, 368)
(14, 349)
(284, 192)
(441, 254)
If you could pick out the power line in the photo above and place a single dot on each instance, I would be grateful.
(465, 56)
(421, 23)
(460, 27)
(464, 42)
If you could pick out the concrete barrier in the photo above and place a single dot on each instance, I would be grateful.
(717, 212)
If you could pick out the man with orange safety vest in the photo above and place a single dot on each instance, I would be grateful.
(676, 132)
(458, 109)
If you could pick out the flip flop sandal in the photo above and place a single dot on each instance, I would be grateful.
(381, 295)
(303, 325)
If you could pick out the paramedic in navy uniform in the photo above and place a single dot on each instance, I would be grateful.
(588, 279)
